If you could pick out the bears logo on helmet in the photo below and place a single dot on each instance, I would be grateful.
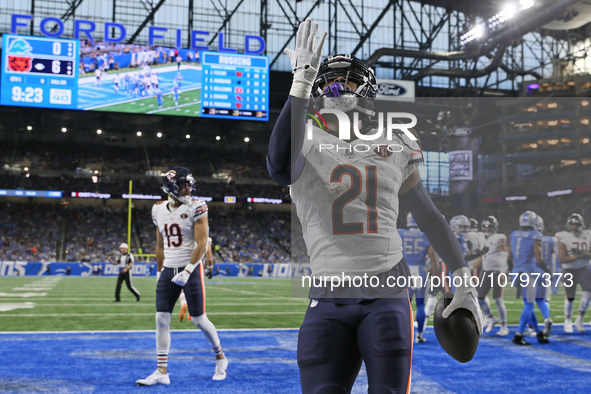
(458, 334)
(175, 180)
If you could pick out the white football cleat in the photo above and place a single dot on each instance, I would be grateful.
(548, 326)
(568, 326)
(221, 366)
(529, 332)
(420, 338)
(157, 377)
(503, 331)
(580, 324)
(491, 323)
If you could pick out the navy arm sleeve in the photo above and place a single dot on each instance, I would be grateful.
(434, 225)
(285, 161)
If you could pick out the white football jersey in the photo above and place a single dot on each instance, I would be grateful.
(347, 202)
(176, 227)
(474, 240)
(493, 261)
(571, 241)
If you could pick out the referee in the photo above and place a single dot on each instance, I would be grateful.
(125, 263)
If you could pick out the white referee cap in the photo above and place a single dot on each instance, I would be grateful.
(123, 246)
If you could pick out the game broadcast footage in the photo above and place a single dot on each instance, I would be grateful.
(58, 73)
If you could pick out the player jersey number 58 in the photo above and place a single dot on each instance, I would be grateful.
(339, 227)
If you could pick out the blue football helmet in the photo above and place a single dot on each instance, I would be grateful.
(459, 224)
(175, 180)
(527, 219)
(410, 221)
(539, 224)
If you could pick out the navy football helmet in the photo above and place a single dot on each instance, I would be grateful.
(332, 94)
(575, 219)
(490, 225)
(175, 180)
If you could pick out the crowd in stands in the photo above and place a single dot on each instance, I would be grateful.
(113, 159)
(542, 182)
(28, 232)
(94, 234)
(237, 237)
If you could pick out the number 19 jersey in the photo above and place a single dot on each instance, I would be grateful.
(347, 202)
(176, 227)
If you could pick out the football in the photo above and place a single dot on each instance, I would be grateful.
(458, 334)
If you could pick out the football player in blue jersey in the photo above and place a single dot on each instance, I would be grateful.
(176, 90)
(158, 94)
(526, 250)
(415, 246)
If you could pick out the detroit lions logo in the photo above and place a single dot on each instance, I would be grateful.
(383, 151)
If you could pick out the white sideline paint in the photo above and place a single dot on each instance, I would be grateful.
(22, 295)
(12, 306)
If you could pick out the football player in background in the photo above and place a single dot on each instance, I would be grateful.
(544, 286)
(415, 246)
(574, 246)
(354, 233)
(527, 252)
(158, 94)
(474, 243)
(181, 242)
(176, 90)
(494, 273)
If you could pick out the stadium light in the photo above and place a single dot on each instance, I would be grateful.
(26, 168)
(188, 136)
(139, 133)
(246, 139)
(585, 140)
(159, 135)
(64, 129)
(584, 103)
(29, 128)
(99, 132)
(507, 13)
(217, 138)
(495, 22)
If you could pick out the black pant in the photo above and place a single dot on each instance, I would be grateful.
(335, 338)
(125, 276)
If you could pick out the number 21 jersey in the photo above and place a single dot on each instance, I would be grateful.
(347, 202)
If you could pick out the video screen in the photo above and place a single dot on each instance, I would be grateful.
(69, 74)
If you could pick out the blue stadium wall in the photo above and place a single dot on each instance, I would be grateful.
(27, 268)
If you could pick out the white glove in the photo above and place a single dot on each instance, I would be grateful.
(182, 277)
(305, 60)
(157, 276)
(465, 297)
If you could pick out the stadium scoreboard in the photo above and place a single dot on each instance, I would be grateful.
(39, 72)
(235, 86)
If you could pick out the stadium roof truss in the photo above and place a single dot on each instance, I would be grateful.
(403, 39)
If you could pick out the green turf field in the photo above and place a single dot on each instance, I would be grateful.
(189, 105)
(85, 304)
